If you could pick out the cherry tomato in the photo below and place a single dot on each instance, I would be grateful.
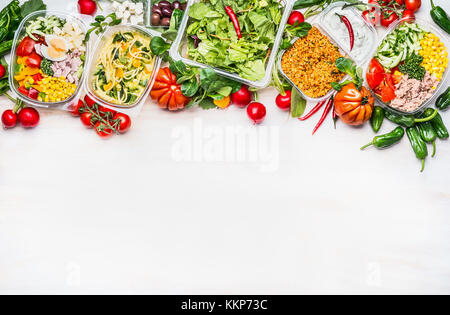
(243, 97)
(296, 18)
(9, 119)
(2, 71)
(256, 112)
(28, 117)
(34, 60)
(284, 101)
(413, 5)
(89, 101)
(103, 131)
(76, 110)
(88, 7)
(106, 112)
(26, 47)
(124, 122)
(372, 16)
(33, 93)
(388, 17)
(86, 119)
(400, 2)
(409, 15)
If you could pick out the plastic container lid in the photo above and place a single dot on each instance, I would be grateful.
(444, 38)
(65, 104)
(179, 47)
(133, 109)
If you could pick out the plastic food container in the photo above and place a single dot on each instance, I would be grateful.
(130, 109)
(428, 27)
(20, 34)
(179, 48)
(150, 4)
(360, 26)
(331, 92)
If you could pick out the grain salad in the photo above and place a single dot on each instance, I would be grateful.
(310, 64)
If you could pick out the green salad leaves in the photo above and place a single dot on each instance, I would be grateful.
(212, 37)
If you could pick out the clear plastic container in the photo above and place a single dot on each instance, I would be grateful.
(150, 4)
(132, 109)
(178, 49)
(20, 34)
(331, 92)
(353, 13)
(444, 38)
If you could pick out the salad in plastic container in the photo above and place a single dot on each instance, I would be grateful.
(409, 67)
(309, 65)
(49, 56)
(122, 69)
(239, 39)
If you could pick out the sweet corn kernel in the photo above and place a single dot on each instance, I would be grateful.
(434, 55)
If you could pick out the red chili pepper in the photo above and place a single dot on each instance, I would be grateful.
(313, 111)
(325, 114)
(349, 26)
(234, 20)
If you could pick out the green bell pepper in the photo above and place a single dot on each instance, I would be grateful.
(408, 120)
(443, 102)
(376, 121)
(387, 140)
(438, 125)
(419, 146)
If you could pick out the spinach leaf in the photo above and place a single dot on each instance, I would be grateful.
(159, 46)
(298, 104)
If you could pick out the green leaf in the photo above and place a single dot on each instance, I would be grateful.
(207, 103)
(31, 6)
(190, 88)
(159, 46)
(298, 104)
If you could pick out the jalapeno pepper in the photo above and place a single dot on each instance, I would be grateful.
(377, 118)
(443, 102)
(428, 134)
(419, 146)
(438, 125)
(408, 121)
(440, 17)
(387, 140)
(302, 4)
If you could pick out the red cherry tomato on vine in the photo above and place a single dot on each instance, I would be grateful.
(256, 112)
(76, 110)
(296, 18)
(124, 122)
(388, 17)
(2, 71)
(400, 2)
(89, 101)
(372, 16)
(284, 101)
(105, 111)
(413, 5)
(88, 7)
(103, 131)
(243, 97)
(86, 119)
(409, 15)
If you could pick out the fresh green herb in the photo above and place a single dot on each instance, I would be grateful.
(159, 46)
(412, 67)
(298, 104)
(100, 24)
(347, 66)
(32, 6)
(294, 31)
(46, 67)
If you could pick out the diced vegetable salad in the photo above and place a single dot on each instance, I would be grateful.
(408, 67)
(50, 59)
(213, 39)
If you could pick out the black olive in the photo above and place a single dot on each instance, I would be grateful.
(165, 22)
(164, 4)
(176, 5)
(167, 12)
(156, 19)
(156, 9)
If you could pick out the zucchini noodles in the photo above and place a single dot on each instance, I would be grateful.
(124, 68)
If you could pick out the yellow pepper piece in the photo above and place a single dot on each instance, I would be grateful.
(119, 73)
(136, 63)
(223, 103)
